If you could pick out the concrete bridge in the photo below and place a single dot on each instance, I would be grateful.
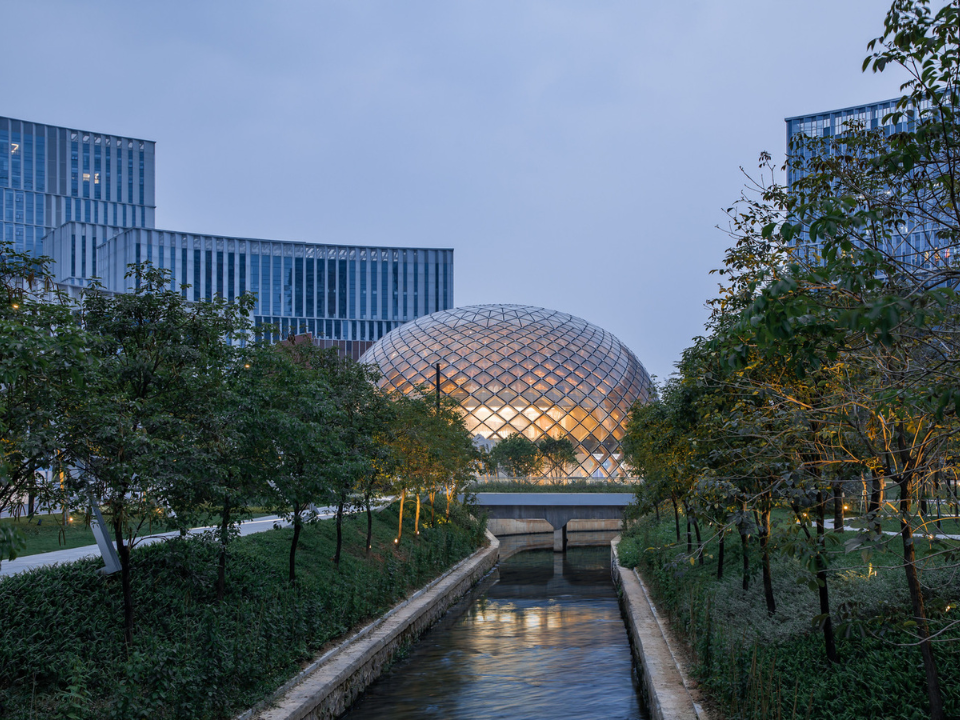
(557, 509)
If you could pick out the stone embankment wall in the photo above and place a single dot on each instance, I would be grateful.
(326, 688)
(670, 695)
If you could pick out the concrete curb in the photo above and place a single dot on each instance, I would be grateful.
(327, 687)
(666, 689)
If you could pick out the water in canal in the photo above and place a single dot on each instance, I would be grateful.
(545, 640)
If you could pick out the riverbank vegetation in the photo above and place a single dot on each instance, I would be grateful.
(569, 485)
(196, 654)
(826, 387)
(162, 414)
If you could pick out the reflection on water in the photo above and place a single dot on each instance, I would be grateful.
(545, 641)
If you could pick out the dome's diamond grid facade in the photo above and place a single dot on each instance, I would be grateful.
(516, 368)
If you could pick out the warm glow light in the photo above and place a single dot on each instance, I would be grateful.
(522, 369)
(247, 366)
(16, 306)
(396, 541)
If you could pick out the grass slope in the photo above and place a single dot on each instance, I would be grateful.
(61, 649)
(758, 667)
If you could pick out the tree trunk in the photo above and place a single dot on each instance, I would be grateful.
(433, 510)
(828, 638)
(744, 542)
(369, 525)
(416, 517)
(696, 529)
(222, 568)
(336, 555)
(838, 507)
(123, 550)
(876, 498)
(656, 510)
(723, 534)
(31, 499)
(403, 495)
(765, 560)
(293, 547)
(916, 601)
(676, 515)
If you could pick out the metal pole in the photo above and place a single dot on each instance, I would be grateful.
(438, 388)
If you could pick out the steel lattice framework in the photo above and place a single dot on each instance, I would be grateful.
(517, 368)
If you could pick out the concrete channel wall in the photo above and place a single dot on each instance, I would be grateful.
(665, 687)
(326, 688)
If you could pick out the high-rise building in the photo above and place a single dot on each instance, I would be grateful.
(51, 175)
(915, 242)
(86, 200)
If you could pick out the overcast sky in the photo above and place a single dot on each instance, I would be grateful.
(576, 155)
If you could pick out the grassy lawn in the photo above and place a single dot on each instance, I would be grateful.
(949, 524)
(755, 666)
(62, 653)
(545, 486)
(46, 533)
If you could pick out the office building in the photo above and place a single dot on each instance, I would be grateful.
(913, 241)
(87, 200)
(51, 175)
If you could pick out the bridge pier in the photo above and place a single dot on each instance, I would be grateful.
(560, 539)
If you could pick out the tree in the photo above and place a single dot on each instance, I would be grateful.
(518, 456)
(42, 368)
(298, 437)
(363, 412)
(557, 453)
(154, 354)
(858, 296)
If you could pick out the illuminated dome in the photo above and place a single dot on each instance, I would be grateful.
(516, 368)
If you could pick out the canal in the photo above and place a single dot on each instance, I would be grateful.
(543, 638)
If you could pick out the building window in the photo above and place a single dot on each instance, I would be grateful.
(86, 170)
(96, 172)
(208, 275)
(321, 274)
(298, 286)
(243, 273)
(277, 286)
(363, 288)
(311, 288)
(331, 288)
(28, 161)
(231, 293)
(255, 280)
(16, 153)
(74, 168)
(353, 288)
(4, 157)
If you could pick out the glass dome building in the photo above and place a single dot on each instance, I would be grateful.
(517, 368)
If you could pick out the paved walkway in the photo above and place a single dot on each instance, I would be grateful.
(931, 532)
(248, 527)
